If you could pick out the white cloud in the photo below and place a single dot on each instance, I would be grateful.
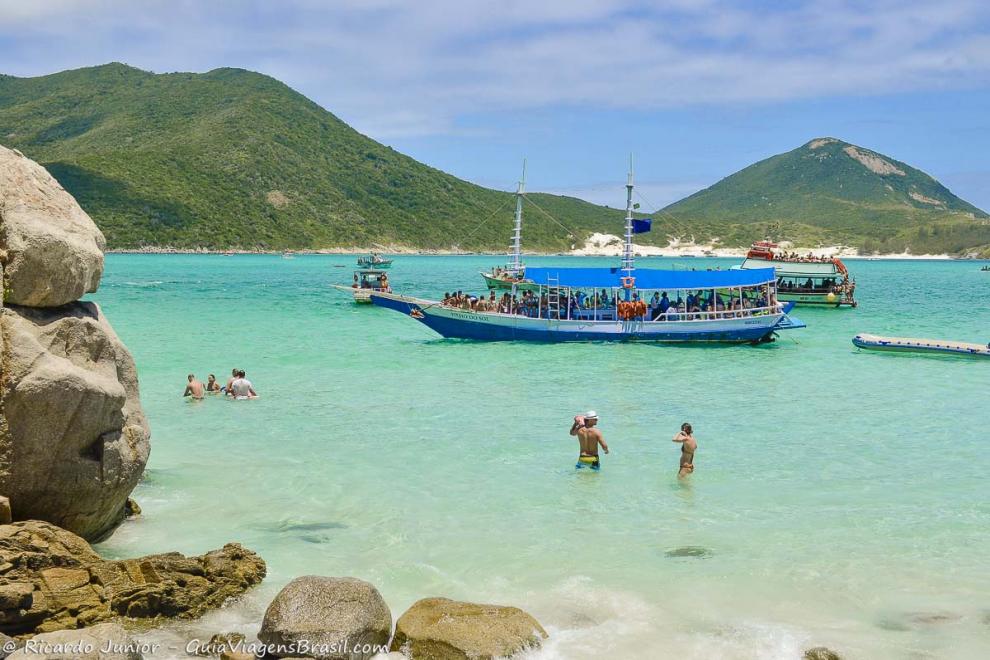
(394, 68)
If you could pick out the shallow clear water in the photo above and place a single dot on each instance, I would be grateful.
(840, 498)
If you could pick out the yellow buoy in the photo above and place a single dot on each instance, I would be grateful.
(830, 297)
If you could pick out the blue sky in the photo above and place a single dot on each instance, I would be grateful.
(695, 88)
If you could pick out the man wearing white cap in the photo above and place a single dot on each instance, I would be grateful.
(589, 437)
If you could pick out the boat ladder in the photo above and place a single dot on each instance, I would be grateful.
(553, 297)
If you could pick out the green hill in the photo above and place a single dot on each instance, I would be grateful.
(235, 159)
(831, 192)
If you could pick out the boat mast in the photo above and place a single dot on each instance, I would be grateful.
(627, 256)
(515, 265)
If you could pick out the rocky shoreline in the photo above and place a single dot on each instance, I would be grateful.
(51, 579)
(57, 593)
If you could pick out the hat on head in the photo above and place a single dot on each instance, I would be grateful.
(591, 414)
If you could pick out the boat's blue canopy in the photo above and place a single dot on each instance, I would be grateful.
(646, 278)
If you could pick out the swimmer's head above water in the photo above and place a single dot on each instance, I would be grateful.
(686, 428)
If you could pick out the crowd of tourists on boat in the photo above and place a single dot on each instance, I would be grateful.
(797, 258)
(580, 305)
(827, 285)
(507, 275)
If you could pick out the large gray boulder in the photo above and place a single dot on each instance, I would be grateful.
(444, 629)
(51, 251)
(73, 437)
(327, 618)
(107, 641)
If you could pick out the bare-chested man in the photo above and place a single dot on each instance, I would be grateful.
(688, 446)
(194, 388)
(230, 381)
(590, 438)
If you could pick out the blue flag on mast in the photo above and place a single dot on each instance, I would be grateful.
(642, 226)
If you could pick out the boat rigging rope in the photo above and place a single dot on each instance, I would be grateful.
(482, 223)
(570, 233)
(658, 209)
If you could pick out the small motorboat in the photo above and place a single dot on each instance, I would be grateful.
(366, 282)
(374, 261)
(912, 345)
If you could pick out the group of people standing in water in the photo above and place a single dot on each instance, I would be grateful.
(237, 387)
(590, 438)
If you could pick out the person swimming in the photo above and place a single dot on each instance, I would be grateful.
(212, 386)
(589, 439)
(194, 388)
(688, 446)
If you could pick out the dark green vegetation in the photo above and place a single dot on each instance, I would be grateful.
(829, 192)
(234, 159)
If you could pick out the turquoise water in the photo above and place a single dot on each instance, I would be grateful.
(840, 497)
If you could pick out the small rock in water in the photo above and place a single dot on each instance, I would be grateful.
(308, 532)
(309, 527)
(325, 615)
(444, 628)
(821, 653)
(314, 538)
(695, 551)
(893, 625)
(131, 508)
(934, 618)
(904, 622)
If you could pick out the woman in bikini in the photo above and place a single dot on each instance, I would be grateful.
(688, 446)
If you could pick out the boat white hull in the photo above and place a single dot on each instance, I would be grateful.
(361, 296)
(487, 326)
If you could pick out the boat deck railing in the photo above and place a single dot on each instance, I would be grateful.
(814, 290)
(610, 314)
